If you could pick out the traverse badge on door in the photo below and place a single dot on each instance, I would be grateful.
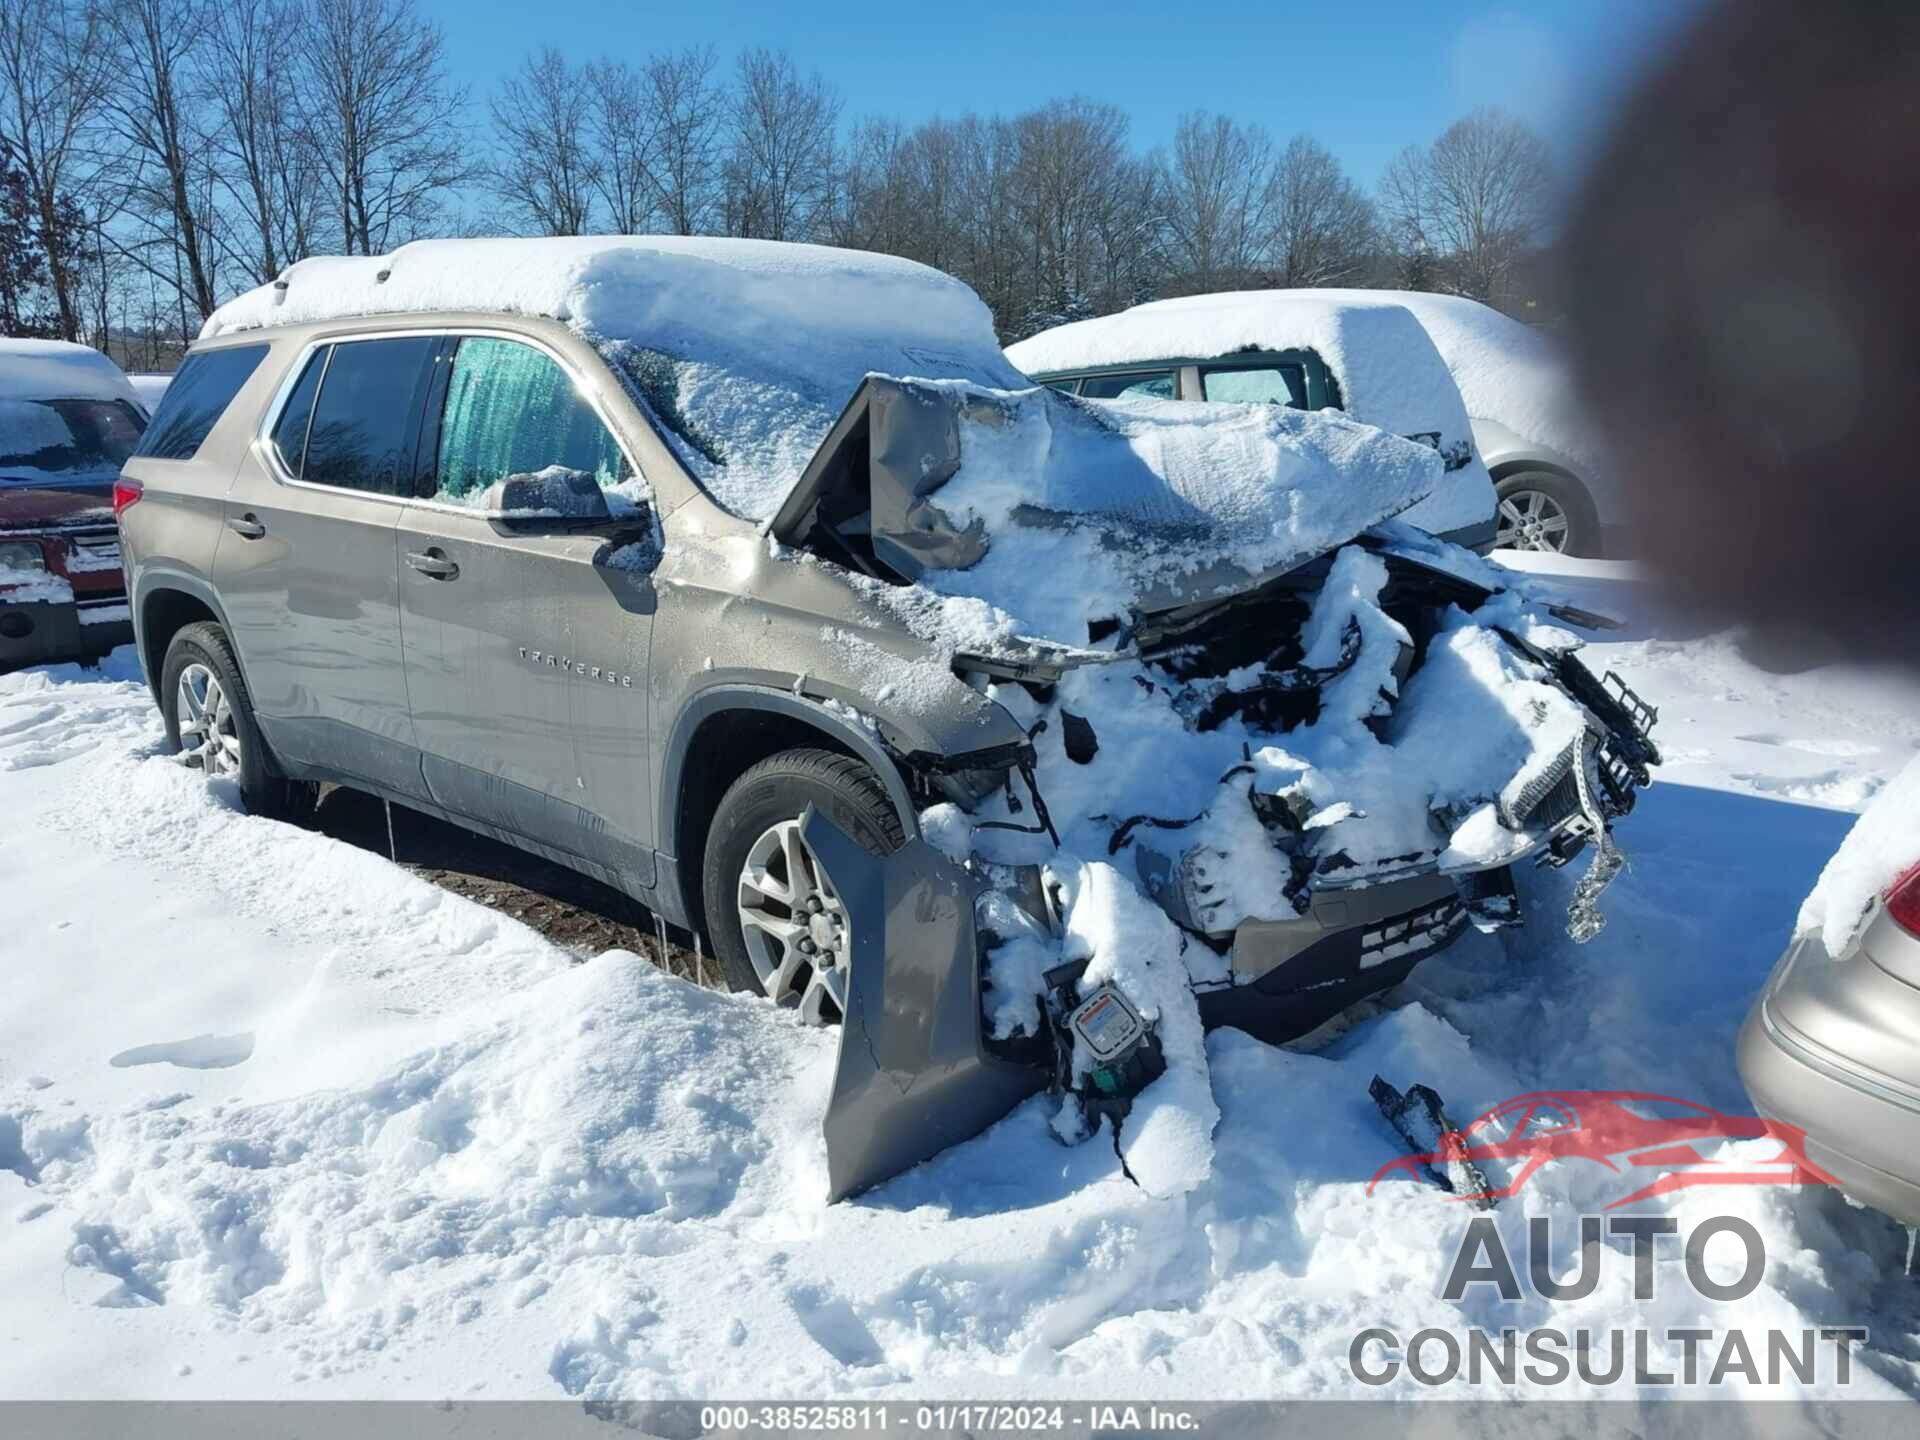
(576, 667)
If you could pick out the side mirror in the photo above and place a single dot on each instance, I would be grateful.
(572, 496)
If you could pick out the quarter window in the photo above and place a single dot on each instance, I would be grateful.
(1136, 385)
(365, 418)
(1256, 384)
(197, 398)
(290, 430)
(511, 410)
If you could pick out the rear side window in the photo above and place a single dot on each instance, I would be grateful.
(290, 430)
(366, 415)
(511, 410)
(1139, 385)
(197, 398)
(1256, 384)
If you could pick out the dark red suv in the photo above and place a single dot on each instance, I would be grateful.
(68, 420)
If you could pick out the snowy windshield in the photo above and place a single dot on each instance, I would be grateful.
(66, 436)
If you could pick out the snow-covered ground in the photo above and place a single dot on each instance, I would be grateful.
(279, 1118)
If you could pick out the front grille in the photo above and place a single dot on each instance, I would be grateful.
(1412, 933)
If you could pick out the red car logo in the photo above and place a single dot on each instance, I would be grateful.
(1627, 1131)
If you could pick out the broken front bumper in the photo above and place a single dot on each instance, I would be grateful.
(914, 1074)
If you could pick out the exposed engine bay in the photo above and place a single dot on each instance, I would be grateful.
(1252, 796)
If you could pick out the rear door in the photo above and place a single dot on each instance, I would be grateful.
(306, 565)
(526, 671)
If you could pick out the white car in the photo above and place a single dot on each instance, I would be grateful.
(150, 387)
(1356, 351)
(1544, 458)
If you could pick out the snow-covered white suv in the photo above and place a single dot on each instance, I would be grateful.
(1402, 359)
(902, 693)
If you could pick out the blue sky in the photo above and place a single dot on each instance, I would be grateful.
(1365, 78)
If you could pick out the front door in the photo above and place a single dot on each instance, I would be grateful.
(513, 639)
(306, 562)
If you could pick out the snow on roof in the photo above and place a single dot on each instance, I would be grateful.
(746, 351)
(1506, 371)
(1389, 373)
(59, 370)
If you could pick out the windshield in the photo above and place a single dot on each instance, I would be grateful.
(66, 436)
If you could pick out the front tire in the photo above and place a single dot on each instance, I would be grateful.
(1541, 510)
(210, 725)
(776, 918)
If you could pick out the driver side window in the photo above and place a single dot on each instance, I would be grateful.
(511, 410)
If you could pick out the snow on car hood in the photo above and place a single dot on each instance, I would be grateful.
(1389, 373)
(1061, 512)
(744, 351)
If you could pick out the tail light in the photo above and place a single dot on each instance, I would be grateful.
(126, 492)
(1903, 901)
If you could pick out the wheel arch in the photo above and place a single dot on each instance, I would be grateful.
(168, 603)
(723, 732)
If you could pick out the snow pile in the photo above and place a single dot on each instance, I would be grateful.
(56, 370)
(1388, 371)
(1883, 844)
(1088, 509)
(743, 351)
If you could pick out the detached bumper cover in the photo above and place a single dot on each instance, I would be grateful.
(913, 1075)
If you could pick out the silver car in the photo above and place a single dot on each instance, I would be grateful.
(1833, 1046)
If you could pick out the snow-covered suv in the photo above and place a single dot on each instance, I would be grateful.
(958, 710)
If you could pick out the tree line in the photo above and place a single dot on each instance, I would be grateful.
(158, 156)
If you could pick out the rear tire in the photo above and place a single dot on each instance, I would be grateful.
(209, 719)
(767, 898)
(1541, 510)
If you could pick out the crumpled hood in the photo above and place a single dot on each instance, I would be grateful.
(1061, 513)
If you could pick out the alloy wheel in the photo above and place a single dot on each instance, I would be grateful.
(209, 729)
(796, 929)
(1532, 520)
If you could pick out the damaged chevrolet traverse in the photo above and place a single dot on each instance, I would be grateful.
(1023, 736)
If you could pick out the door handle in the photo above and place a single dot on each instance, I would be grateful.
(433, 565)
(247, 527)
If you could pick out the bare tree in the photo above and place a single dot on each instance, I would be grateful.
(168, 171)
(1474, 201)
(1088, 208)
(684, 156)
(264, 161)
(620, 129)
(548, 168)
(1219, 185)
(53, 82)
(780, 178)
(386, 124)
(1323, 226)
